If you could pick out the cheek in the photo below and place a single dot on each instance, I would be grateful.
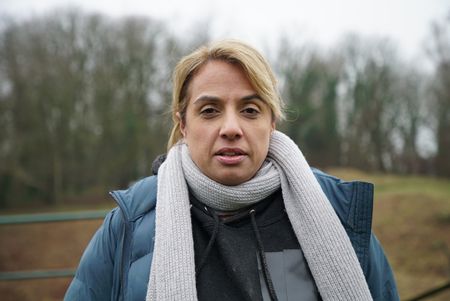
(264, 141)
(199, 136)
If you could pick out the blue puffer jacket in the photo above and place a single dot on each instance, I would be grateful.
(116, 263)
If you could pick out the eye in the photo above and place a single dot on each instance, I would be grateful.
(251, 111)
(209, 112)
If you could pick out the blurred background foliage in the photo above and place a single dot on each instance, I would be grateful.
(84, 102)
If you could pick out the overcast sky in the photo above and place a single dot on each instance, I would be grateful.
(262, 22)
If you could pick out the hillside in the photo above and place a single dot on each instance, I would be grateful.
(412, 221)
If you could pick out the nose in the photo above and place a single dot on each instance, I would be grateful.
(230, 128)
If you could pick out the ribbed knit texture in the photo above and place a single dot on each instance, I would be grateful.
(327, 248)
(172, 275)
(228, 198)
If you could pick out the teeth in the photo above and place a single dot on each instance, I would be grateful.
(229, 154)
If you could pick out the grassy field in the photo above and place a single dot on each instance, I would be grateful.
(411, 219)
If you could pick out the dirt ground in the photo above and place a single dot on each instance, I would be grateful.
(416, 239)
(56, 245)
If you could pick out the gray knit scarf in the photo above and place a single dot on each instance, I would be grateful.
(326, 246)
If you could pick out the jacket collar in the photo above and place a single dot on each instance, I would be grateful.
(138, 199)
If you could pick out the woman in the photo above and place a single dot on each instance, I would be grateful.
(239, 214)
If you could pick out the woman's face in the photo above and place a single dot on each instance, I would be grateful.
(227, 127)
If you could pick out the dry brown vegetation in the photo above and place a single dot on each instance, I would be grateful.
(41, 246)
(411, 219)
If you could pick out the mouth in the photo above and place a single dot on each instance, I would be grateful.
(230, 156)
(230, 152)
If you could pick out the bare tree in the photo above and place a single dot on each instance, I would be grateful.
(81, 102)
(309, 83)
(367, 93)
(440, 52)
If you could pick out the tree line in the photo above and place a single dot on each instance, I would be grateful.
(84, 103)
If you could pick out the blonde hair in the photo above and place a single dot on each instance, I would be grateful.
(253, 64)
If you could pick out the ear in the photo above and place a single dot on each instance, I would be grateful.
(182, 125)
(273, 126)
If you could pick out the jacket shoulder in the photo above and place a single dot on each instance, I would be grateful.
(352, 201)
(98, 274)
(138, 199)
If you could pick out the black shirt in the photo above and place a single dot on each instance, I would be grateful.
(231, 269)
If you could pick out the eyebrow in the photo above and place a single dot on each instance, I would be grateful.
(207, 98)
(250, 97)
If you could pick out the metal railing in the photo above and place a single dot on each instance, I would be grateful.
(52, 217)
(431, 292)
(45, 218)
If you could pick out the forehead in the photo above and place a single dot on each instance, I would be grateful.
(220, 77)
